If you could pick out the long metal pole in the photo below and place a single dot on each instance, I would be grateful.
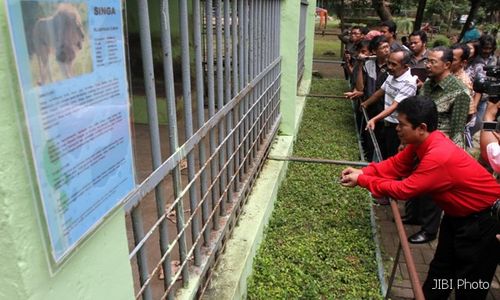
(412, 271)
(188, 122)
(200, 109)
(214, 166)
(173, 133)
(227, 99)
(220, 101)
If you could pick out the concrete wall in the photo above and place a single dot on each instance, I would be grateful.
(98, 269)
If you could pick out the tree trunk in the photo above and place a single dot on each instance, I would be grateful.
(420, 15)
(382, 10)
(474, 7)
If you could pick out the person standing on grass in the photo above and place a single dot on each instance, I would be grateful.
(467, 249)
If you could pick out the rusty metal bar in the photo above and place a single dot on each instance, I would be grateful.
(412, 271)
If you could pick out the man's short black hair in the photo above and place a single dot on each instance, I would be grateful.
(418, 110)
(365, 30)
(376, 41)
(362, 44)
(356, 27)
(421, 34)
(391, 25)
(447, 53)
(406, 60)
(465, 50)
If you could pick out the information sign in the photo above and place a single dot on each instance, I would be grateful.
(71, 68)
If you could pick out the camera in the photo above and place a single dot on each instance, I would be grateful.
(489, 85)
(495, 210)
(491, 126)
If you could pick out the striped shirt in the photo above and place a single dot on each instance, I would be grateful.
(397, 89)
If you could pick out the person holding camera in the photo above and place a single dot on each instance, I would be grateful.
(484, 58)
(467, 248)
(490, 137)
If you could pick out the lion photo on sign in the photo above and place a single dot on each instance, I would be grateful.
(58, 41)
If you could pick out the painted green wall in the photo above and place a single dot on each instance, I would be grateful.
(289, 35)
(98, 269)
(308, 56)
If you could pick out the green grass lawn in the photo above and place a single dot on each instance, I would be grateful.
(326, 47)
(319, 244)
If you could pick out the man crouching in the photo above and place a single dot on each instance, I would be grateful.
(467, 249)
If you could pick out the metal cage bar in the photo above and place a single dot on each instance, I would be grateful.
(230, 114)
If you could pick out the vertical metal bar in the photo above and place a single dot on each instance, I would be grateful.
(142, 262)
(253, 66)
(188, 122)
(267, 44)
(241, 49)
(246, 78)
(200, 109)
(236, 86)
(154, 138)
(173, 138)
(214, 166)
(227, 99)
(220, 102)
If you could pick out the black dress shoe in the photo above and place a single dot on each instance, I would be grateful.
(421, 237)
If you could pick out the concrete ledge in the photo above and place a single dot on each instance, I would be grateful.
(229, 280)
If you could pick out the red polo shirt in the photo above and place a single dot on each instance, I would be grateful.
(456, 181)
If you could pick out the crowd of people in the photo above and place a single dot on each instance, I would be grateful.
(425, 114)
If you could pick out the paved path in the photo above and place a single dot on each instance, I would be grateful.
(422, 255)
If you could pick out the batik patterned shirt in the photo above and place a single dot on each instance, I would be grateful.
(452, 100)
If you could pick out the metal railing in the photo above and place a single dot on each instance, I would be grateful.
(229, 118)
(403, 242)
(302, 39)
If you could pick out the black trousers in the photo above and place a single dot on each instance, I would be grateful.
(466, 258)
(391, 140)
(424, 210)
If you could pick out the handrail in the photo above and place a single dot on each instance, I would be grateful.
(403, 242)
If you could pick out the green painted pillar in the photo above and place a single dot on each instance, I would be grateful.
(98, 269)
(308, 56)
(289, 36)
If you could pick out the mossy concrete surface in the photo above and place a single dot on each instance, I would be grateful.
(235, 265)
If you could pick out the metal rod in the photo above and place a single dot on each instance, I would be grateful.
(319, 160)
(142, 261)
(220, 96)
(326, 61)
(236, 81)
(154, 132)
(378, 153)
(188, 119)
(410, 264)
(172, 131)
(228, 83)
(200, 109)
(415, 282)
(324, 96)
(161, 203)
(242, 70)
(393, 272)
(211, 105)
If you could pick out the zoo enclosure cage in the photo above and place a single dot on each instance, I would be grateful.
(223, 91)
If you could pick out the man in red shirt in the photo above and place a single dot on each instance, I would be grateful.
(467, 252)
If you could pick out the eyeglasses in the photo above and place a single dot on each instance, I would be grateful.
(355, 33)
